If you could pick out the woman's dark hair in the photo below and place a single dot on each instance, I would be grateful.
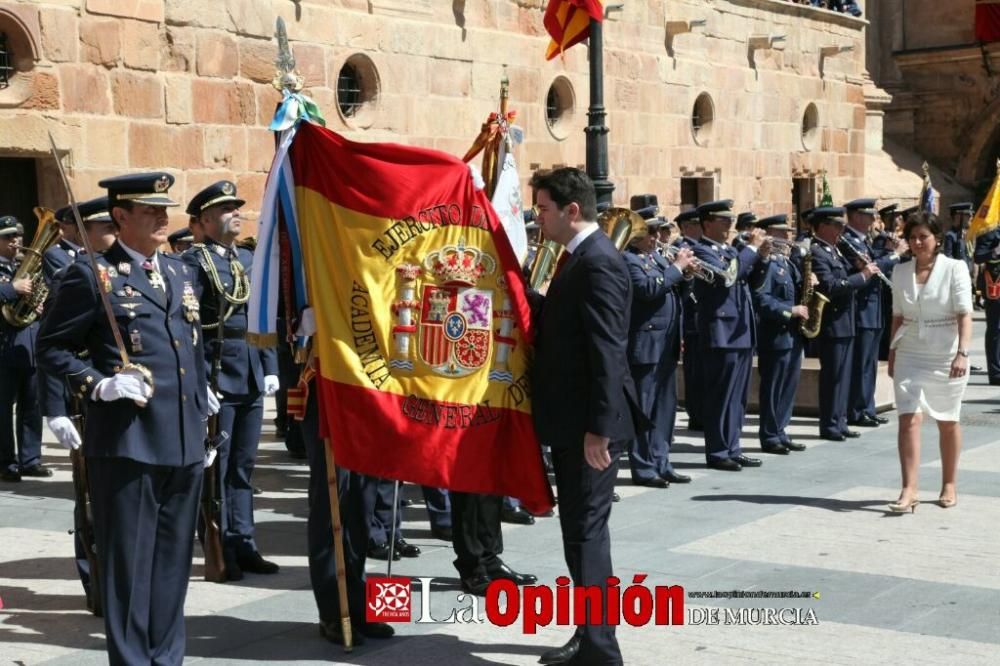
(567, 185)
(929, 220)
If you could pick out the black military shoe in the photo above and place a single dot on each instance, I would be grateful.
(794, 446)
(380, 551)
(832, 436)
(748, 462)
(881, 420)
(516, 515)
(442, 533)
(724, 464)
(505, 572)
(406, 549)
(615, 497)
(851, 434)
(676, 477)
(476, 584)
(562, 654)
(778, 449)
(655, 482)
(864, 422)
(254, 563)
(38, 471)
(11, 475)
(332, 632)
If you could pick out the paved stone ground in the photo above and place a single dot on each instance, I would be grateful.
(919, 588)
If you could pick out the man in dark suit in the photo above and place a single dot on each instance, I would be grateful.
(584, 401)
(836, 336)
(777, 289)
(653, 351)
(145, 431)
(726, 329)
(858, 250)
(690, 228)
(221, 273)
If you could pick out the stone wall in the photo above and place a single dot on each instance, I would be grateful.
(184, 85)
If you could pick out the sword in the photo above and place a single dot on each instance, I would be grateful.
(85, 241)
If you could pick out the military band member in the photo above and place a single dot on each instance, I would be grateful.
(145, 431)
(868, 311)
(221, 274)
(987, 255)
(954, 239)
(744, 223)
(690, 228)
(726, 328)
(777, 290)
(20, 437)
(653, 351)
(64, 252)
(836, 336)
(181, 240)
(884, 243)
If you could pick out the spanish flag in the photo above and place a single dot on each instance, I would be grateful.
(988, 20)
(987, 216)
(568, 22)
(422, 323)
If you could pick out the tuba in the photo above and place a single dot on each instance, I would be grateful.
(621, 224)
(543, 268)
(24, 311)
(812, 299)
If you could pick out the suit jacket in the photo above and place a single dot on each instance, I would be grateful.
(929, 314)
(161, 332)
(830, 268)
(243, 366)
(655, 322)
(580, 377)
(777, 290)
(725, 314)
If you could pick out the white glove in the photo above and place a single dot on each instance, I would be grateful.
(271, 385)
(213, 403)
(307, 326)
(209, 457)
(126, 385)
(64, 430)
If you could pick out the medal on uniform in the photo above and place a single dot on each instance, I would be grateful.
(125, 268)
(136, 339)
(102, 275)
(71, 253)
(156, 280)
(129, 292)
(112, 272)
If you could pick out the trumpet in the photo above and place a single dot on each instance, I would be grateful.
(782, 246)
(710, 274)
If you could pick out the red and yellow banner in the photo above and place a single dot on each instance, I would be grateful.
(988, 20)
(568, 22)
(421, 316)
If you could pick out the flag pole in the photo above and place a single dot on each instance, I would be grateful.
(289, 82)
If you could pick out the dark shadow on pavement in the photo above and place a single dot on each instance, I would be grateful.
(826, 503)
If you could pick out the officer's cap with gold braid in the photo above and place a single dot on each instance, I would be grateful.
(221, 192)
(143, 188)
(95, 210)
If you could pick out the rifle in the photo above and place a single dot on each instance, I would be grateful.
(211, 490)
(83, 517)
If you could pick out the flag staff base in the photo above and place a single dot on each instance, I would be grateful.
(338, 546)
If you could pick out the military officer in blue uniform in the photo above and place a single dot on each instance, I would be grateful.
(987, 255)
(181, 240)
(690, 235)
(222, 285)
(726, 329)
(954, 239)
(66, 249)
(836, 337)
(653, 351)
(884, 243)
(744, 223)
(20, 451)
(857, 249)
(145, 431)
(777, 288)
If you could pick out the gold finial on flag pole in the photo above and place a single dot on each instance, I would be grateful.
(286, 78)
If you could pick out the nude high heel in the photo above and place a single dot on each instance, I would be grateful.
(903, 507)
(947, 502)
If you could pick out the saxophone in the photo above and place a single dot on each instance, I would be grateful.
(812, 299)
(24, 311)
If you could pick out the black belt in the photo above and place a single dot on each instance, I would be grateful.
(233, 333)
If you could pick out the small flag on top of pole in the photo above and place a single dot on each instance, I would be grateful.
(568, 22)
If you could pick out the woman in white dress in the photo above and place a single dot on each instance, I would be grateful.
(929, 357)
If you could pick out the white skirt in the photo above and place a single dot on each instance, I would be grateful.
(923, 384)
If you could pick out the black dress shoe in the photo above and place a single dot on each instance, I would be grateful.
(516, 515)
(794, 446)
(778, 449)
(547, 514)
(442, 533)
(406, 549)
(39, 471)
(724, 464)
(332, 632)
(377, 630)
(615, 497)
(380, 551)
(561, 654)
(994, 382)
(832, 436)
(746, 461)
(11, 475)
(254, 563)
(851, 434)
(476, 584)
(257, 491)
(865, 422)
(505, 572)
(676, 477)
(880, 419)
(655, 482)
(405, 502)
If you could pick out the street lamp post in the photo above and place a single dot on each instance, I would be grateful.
(597, 131)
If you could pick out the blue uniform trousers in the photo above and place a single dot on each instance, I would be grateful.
(357, 501)
(380, 518)
(649, 452)
(993, 340)
(725, 400)
(779, 380)
(693, 389)
(19, 386)
(834, 384)
(438, 506)
(241, 417)
(144, 517)
(861, 400)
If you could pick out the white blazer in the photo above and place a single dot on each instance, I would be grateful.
(930, 311)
